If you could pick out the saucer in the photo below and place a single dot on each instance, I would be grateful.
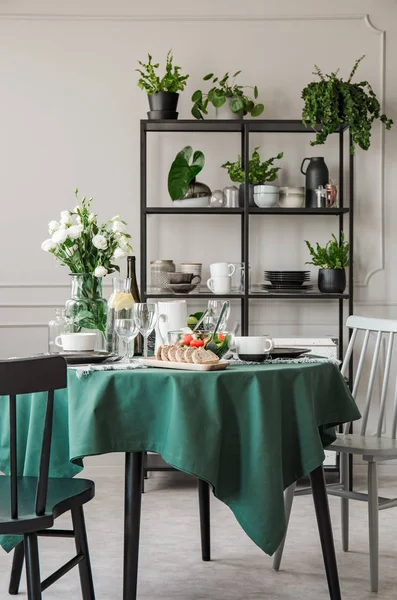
(182, 288)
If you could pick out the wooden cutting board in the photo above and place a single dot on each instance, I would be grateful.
(162, 364)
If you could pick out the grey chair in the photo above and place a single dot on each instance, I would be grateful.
(371, 447)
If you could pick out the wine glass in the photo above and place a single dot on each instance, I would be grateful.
(145, 316)
(127, 330)
(214, 310)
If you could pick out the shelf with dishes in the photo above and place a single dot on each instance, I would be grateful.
(274, 210)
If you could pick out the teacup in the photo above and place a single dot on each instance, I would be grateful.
(253, 348)
(184, 278)
(220, 285)
(222, 269)
(76, 342)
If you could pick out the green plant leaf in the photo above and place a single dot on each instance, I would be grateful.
(255, 92)
(236, 105)
(197, 96)
(257, 110)
(218, 98)
(181, 172)
(236, 73)
(196, 112)
(207, 77)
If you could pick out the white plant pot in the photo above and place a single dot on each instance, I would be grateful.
(292, 197)
(224, 112)
(266, 196)
(200, 202)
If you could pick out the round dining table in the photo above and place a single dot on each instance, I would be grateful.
(247, 432)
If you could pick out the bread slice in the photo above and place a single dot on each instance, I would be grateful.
(180, 354)
(172, 353)
(204, 357)
(164, 352)
(188, 354)
(158, 352)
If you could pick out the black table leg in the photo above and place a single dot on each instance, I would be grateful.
(320, 499)
(132, 521)
(204, 503)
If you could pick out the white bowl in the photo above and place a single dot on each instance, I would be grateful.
(266, 196)
(192, 202)
(292, 197)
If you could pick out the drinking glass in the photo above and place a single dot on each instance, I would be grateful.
(145, 316)
(214, 310)
(127, 330)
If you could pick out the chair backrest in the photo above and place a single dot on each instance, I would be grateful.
(26, 376)
(382, 327)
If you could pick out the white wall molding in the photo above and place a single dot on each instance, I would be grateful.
(181, 17)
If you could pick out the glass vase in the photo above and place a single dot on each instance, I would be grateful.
(86, 309)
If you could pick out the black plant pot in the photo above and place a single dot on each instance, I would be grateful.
(332, 281)
(164, 101)
(250, 195)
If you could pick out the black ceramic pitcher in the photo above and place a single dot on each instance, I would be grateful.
(316, 175)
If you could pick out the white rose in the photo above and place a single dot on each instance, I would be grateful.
(74, 232)
(92, 218)
(53, 226)
(78, 219)
(48, 245)
(76, 208)
(119, 253)
(60, 236)
(66, 218)
(100, 272)
(124, 245)
(100, 242)
(118, 226)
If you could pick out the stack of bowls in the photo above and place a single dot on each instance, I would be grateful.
(266, 196)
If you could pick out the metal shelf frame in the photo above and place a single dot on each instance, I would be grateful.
(244, 128)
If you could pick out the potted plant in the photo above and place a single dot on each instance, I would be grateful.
(183, 188)
(332, 102)
(260, 174)
(332, 260)
(162, 92)
(227, 97)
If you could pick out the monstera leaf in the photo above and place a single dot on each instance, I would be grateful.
(181, 172)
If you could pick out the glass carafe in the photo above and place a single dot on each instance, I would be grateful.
(86, 309)
(56, 327)
(120, 306)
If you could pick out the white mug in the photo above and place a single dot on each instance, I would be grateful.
(253, 347)
(220, 285)
(222, 269)
(172, 316)
(73, 342)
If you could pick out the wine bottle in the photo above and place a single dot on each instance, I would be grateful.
(138, 342)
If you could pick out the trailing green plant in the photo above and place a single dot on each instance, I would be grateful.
(333, 255)
(225, 89)
(184, 169)
(332, 102)
(259, 172)
(172, 80)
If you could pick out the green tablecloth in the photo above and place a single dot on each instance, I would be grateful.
(250, 431)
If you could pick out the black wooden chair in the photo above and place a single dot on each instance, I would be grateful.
(29, 505)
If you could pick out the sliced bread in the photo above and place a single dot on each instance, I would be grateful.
(164, 352)
(180, 354)
(204, 357)
(158, 352)
(172, 353)
(188, 354)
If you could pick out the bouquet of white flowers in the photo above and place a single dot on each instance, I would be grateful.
(77, 240)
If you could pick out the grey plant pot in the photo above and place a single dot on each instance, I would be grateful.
(332, 281)
(250, 195)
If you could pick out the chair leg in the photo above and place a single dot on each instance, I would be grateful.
(288, 500)
(32, 566)
(204, 504)
(80, 537)
(345, 480)
(373, 523)
(16, 569)
(320, 500)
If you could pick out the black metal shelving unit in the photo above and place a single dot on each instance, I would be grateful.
(244, 129)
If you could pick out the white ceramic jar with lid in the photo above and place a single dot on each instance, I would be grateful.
(292, 197)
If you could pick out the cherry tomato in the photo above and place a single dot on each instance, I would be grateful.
(197, 343)
(186, 339)
(221, 337)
